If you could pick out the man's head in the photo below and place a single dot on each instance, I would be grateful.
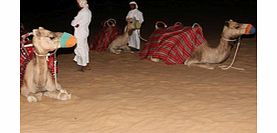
(133, 5)
(82, 3)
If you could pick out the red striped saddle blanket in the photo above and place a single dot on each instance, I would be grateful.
(100, 42)
(174, 44)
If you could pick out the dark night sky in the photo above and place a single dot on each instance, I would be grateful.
(57, 14)
(44, 5)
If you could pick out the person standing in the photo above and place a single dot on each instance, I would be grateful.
(134, 14)
(81, 32)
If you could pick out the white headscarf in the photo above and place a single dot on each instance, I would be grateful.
(133, 2)
(82, 3)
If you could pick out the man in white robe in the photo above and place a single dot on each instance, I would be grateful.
(134, 14)
(81, 32)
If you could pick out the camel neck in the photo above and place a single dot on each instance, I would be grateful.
(41, 68)
(41, 59)
(41, 64)
(225, 42)
(224, 48)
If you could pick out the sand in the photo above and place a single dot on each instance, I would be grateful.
(124, 94)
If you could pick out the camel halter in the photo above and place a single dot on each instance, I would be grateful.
(224, 67)
(46, 55)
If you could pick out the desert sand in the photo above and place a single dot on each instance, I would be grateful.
(124, 94)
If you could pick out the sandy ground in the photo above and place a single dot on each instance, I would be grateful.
(123, 94)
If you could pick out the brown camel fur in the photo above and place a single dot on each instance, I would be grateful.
(204, 56)
(38, 80)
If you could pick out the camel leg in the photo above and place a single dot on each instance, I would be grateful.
(55, 90)
(154, 59)
(31, 97)
(60, 95)
(126, 48)
(113, 50)
(206, 66)
(196, 63)
(34, 97)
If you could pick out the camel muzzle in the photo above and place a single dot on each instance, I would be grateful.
(249, 28)
(67, 40)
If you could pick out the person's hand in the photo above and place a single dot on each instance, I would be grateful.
(77, 25)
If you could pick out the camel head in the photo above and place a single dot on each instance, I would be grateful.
(130, 27)
(234, 29)
(45, 41)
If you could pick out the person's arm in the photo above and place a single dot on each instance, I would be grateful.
(76, 21)
(140, 17)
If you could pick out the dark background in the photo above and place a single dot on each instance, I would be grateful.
(56, 15)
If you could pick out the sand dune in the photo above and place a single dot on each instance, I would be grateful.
(123, 94)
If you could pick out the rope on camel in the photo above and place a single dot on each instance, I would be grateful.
(110, 22)
(142, 38)
(156, 27)
(224, 67)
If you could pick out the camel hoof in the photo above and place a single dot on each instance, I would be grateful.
(39, 96)
(186, 63)
(154, 59)
(32, 99)
(64, 96)
(117, 51)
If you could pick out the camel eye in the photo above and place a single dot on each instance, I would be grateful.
(51, 36)
(237, 26)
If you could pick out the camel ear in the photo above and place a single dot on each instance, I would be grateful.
(231, 20)
(40, 28)
(36, 32)
(226, 23)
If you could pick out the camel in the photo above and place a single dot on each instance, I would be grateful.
(204, 56)
(121, 42)
(37, 79)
